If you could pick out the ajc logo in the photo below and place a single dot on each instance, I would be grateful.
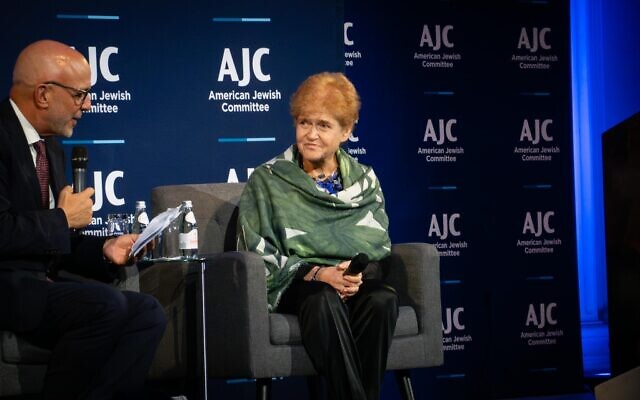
(109, 189)
(249, 62)
(452, 320)
(102, 64)
(537, 38)
(441, 35)
(347, 41)
(444, 131)
(448, 226)
(233, 175)
(545, 315)
(539, 131)
(542, 223)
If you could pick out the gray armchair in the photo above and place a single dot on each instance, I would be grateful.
(23, 365)
(246, 341)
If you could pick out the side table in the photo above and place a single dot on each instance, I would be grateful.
(182, 354)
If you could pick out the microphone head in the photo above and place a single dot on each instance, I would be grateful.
(79, 157)
(361, 258)
(358, 264)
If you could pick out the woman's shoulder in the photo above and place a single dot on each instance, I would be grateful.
(279, 166)
(350, 166)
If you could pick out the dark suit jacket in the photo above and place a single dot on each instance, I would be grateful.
(33, 241)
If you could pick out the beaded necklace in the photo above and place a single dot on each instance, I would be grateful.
(331, 184)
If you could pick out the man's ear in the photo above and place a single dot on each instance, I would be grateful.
(41, 96)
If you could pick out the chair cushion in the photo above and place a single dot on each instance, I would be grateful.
(407, 324)
(284, 329)
(18, 351)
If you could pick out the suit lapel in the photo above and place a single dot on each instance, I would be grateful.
(21, 152)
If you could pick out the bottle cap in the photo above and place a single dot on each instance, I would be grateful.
(141, 204)
(187, 203)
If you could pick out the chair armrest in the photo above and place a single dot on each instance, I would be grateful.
(237, 321)
(418, 285)
(237, 314)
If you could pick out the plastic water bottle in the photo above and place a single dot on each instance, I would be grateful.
(188, 232)
(140, 218)
(140, 222)
(170, 240)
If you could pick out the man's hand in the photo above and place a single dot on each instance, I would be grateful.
(76, 206)
(117, 249)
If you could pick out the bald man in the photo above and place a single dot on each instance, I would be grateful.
(102, 340)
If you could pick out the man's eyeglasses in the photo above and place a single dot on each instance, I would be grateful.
(79, 95)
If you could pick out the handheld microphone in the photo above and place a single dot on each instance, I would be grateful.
(358, 264)
(79, 160)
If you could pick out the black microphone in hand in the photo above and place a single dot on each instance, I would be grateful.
(358, 264)
(79, 160)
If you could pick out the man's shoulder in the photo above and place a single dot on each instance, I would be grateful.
(7, 115)
(5, 109)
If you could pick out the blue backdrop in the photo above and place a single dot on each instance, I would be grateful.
(466, 117)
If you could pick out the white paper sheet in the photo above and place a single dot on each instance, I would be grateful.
(155, 228)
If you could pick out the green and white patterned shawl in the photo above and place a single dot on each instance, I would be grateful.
(289, 221)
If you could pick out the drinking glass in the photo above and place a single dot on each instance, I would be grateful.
(119, 224)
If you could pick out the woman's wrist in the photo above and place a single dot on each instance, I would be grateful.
(316, 274)
(312, 275)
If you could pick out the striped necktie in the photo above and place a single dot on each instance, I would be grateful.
(42, 170)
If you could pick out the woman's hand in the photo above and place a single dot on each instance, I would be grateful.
(345, 285)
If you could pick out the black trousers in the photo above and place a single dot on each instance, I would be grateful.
(347, 341)
(103, 341)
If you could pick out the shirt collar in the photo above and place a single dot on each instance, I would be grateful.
(29, 131)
